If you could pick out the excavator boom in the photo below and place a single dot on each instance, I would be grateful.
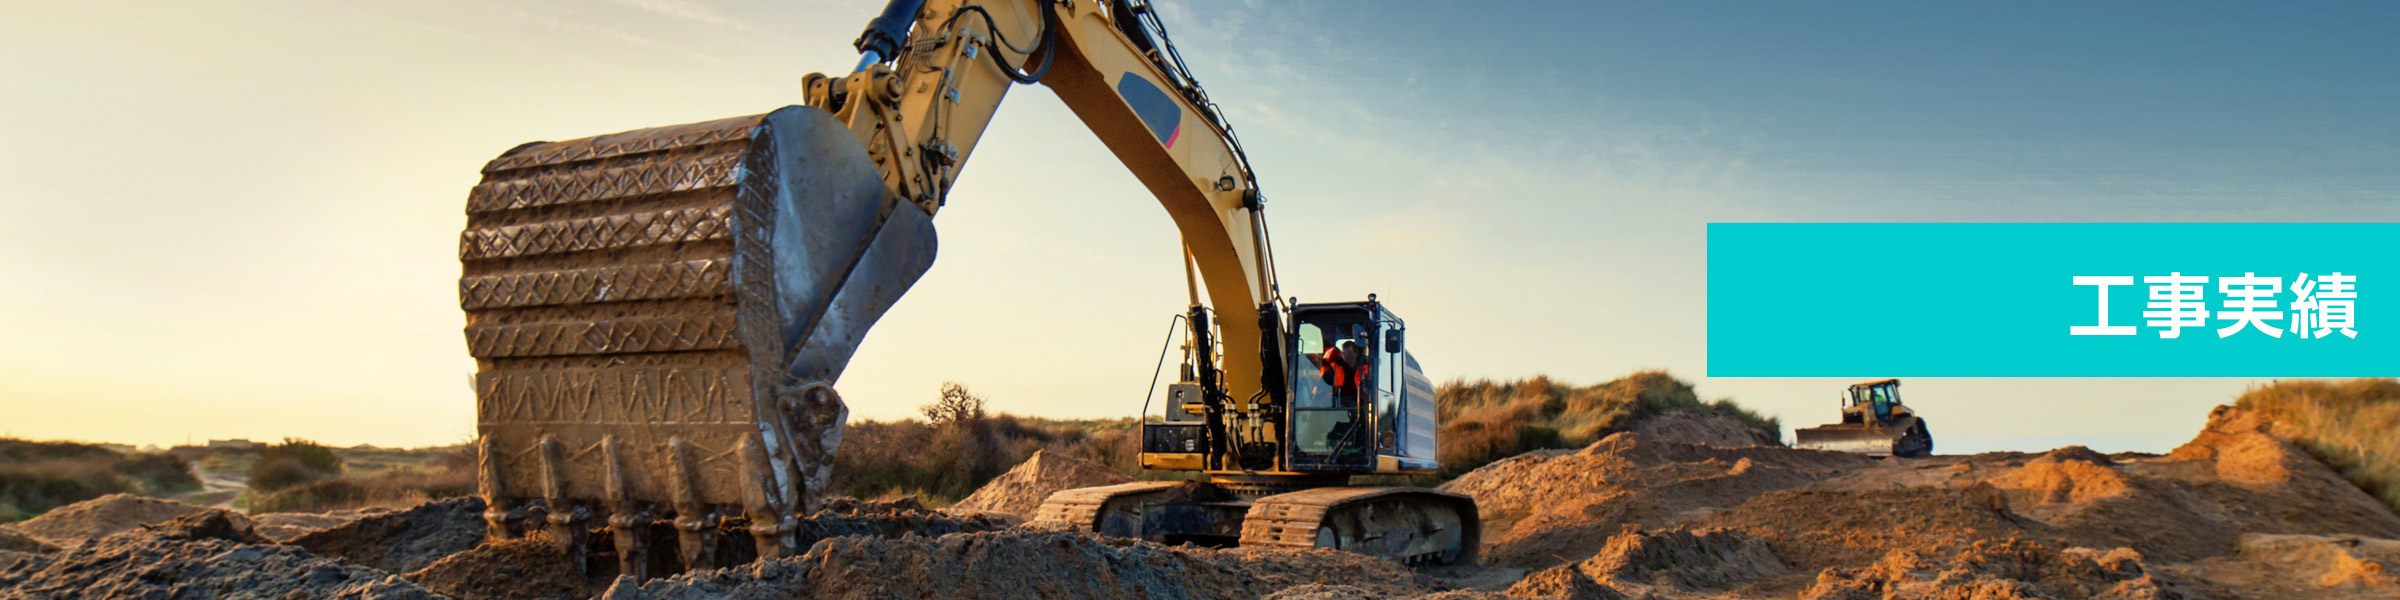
(659, 316)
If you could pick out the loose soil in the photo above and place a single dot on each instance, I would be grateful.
(98, 517)
(1022, 489)
(403, 541)
(2236, 513)
(209, 555)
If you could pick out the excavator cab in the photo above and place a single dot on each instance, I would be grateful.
(1352, 418)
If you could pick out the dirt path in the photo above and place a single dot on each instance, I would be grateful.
(217, 490)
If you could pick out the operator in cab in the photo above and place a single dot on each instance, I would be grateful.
(1344, 365)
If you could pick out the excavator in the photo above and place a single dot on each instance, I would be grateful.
(1874, 423)
(658, 316)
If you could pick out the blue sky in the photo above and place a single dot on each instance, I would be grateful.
(240, 219)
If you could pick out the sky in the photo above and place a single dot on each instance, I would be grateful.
(240, 218)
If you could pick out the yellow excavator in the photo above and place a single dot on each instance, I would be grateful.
(658, 316)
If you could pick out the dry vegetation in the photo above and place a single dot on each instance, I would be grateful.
(1485, 421)
(39, 476)
(2352, 425)
(415, 477)
(960, 446)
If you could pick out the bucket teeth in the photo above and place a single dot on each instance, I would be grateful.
(657, 318)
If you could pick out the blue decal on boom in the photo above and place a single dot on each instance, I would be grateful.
(1154, 106)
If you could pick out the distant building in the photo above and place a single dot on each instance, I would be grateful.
(234, 443)
(119, 448)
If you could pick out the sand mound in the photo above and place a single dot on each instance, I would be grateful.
(1021, 490)
(1816, 528)
(200, 556)
(98, 517)
(1319, 591)
(1016, 564)
(1562, 583)
(404, 541)
(2008, 569)
(528, 568)
(11, 541)
(905, 517)
(2073, 474)
(1684, 559)
(2346, 561)
(11, 560)
(536, 567)
(1547, 508)
(1695, 427)
(284, 526)
(2195, 503)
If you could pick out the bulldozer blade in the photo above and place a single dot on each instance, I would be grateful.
(1853, 438)
(1901, 438)
(658, 316)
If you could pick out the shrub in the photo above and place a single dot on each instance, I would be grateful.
(960, 446)
(38, 476)
(294, 462)
(2348, 424)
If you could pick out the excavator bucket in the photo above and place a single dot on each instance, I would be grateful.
(657, 318)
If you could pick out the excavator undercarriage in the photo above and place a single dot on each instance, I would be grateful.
(1416, 526)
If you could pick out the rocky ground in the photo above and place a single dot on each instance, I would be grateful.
(2235, 513)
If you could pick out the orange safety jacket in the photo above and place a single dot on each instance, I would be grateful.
(1338, 372)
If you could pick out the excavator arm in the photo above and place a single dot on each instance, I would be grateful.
(934, 71)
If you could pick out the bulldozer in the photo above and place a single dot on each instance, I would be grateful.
(659, 317)
(1874, 423)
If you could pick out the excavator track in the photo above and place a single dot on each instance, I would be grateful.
(1415, 526)
(1112, 510)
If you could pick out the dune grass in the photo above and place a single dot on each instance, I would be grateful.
(1485, 421)
(2353, 425)
(38, 476)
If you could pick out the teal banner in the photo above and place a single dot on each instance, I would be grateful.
(2050, 299)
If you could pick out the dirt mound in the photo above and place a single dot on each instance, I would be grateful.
(1319, 591)
(98, 517)
(202, 556)
(1817, 528)
(284, 526)
(1562, 583)
(209, 525)
(2073, 474)
(2008, 569)
(536, 567)
(2346, 561)
(1552, 507)
(2195, 503)
(11, 560)
(528, 568)
(11, 541)
(1684, 559)
(1697, 427)
(1021, 490)
(1019, 564)
(848, 517)
(403, 541)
